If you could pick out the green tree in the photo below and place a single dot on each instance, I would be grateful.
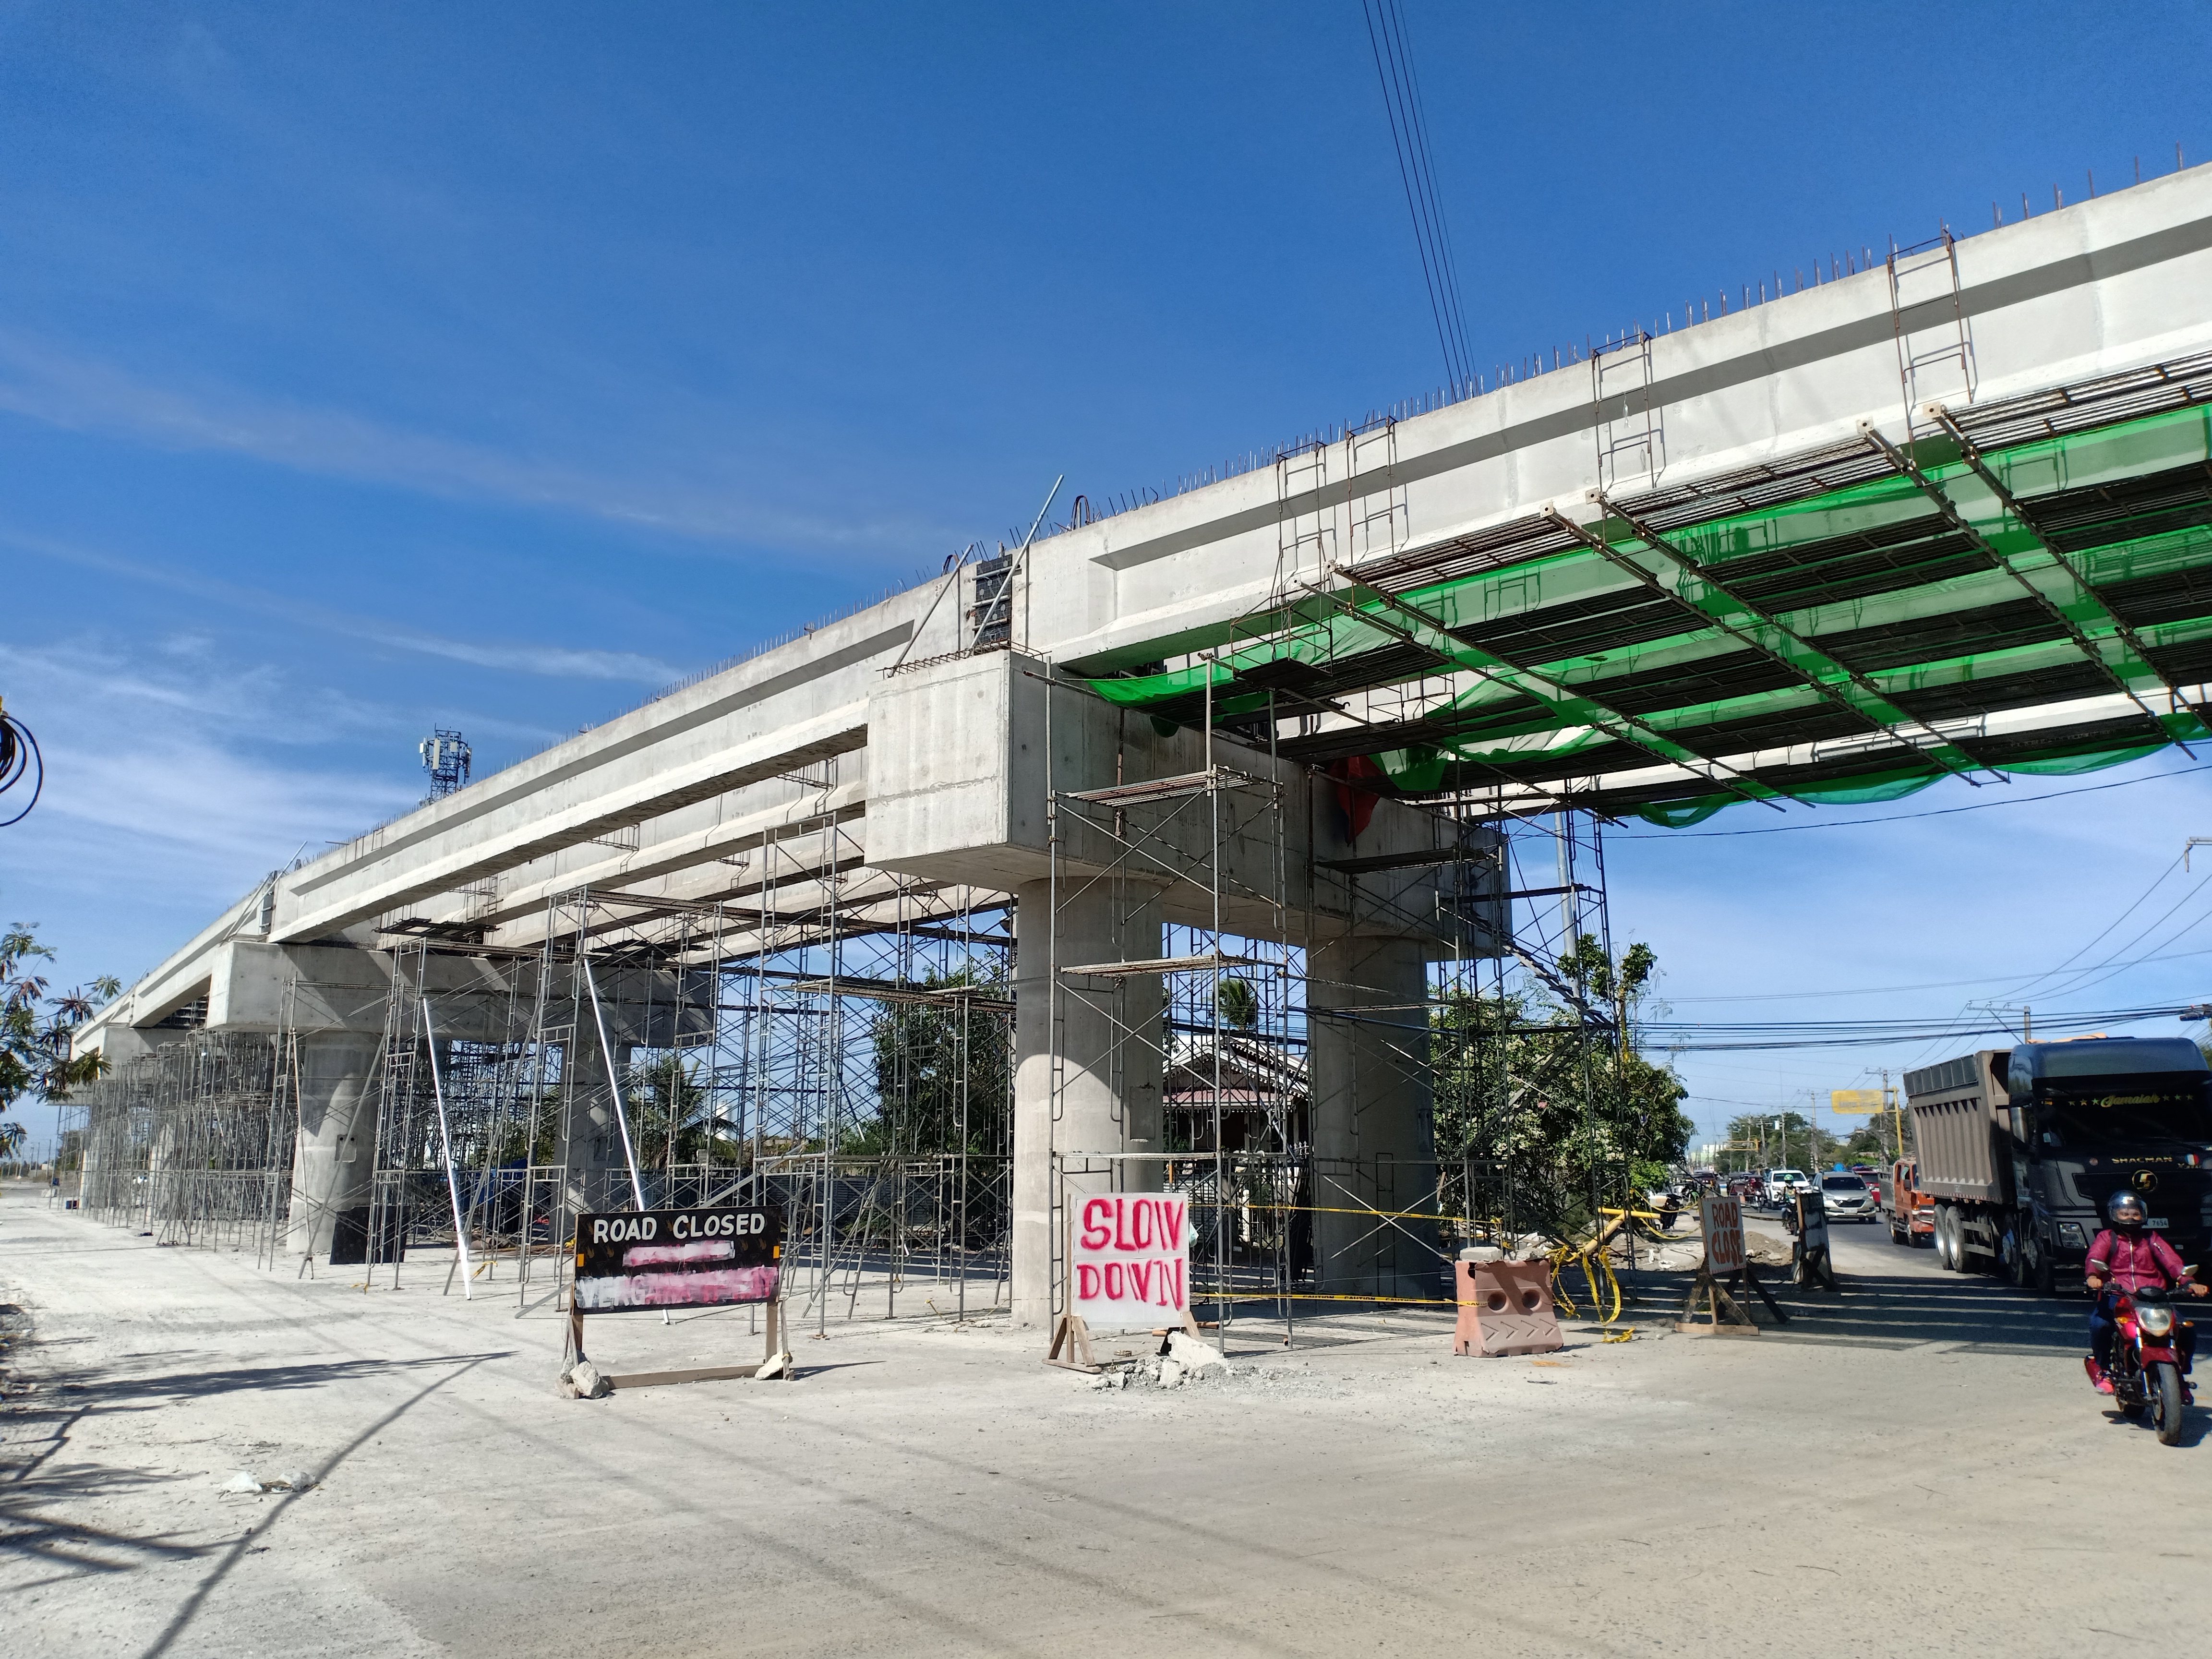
(1785, 1139)
(671, 1108)
(35, 1028)
(926, 1053)
(1238, 1005)
(1874, 1141)
(1550, 1089)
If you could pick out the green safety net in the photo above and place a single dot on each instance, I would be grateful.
(2066, 762)
(1681, 814)
(1522, 712)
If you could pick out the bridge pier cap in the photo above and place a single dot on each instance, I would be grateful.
(958, 791)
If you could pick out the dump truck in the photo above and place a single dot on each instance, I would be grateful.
(2021, 1148)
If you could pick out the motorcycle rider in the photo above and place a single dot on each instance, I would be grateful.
(2125, 1257)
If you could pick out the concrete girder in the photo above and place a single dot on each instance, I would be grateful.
(1423, 631)
(375, 886)
(872, 903)
(2100, 289)
(1697, 592)
(2078, 593)
(2093, 283)
(719, 844)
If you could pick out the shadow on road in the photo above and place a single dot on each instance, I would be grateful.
(1899, 1311)
(111, 1391)
(69, 1548)
(41, 1485)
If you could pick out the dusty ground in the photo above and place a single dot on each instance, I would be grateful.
(1915, 1466)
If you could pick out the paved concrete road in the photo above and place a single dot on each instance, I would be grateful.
(1913, 1466)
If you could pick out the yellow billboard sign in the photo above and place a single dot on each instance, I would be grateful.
(1855, 1102)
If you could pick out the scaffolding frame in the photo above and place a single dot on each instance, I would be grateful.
(193, 1142)
(836, 1044)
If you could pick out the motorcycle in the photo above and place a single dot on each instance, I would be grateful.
(1671, 1202)
(2145, 1369)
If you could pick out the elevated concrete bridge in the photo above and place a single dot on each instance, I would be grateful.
(1944, 517)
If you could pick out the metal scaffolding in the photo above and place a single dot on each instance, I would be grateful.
(191, 1143)
(833, 1041)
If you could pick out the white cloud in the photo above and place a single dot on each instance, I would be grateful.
(553, 661)
(173, 773)
(44, 383)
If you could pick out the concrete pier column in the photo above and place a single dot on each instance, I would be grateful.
(1373, 1119)
(1108, 1042)
(591, 1148)
(335, 1162)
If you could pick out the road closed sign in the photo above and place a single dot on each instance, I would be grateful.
(1722, 1219)
(1130, 1259)
(701, 1258)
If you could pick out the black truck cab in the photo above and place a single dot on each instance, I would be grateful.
(2088, 1118)
(2020, 1149)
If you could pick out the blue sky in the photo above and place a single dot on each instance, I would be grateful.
(367, 367)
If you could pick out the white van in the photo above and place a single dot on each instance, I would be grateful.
(1781, 1183)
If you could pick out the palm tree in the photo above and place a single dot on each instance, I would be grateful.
(675, 1113)
(34, 1048)
(1238, 1005)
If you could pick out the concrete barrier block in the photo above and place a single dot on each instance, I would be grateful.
(1505, 1307)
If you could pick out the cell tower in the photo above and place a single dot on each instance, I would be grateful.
(446, 758)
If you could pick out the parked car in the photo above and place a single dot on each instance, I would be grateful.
(1846, 1197)
(1910, 1212)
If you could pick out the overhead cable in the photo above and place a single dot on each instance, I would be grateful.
(1417, 172)
(2024, 986)
(19, 758)
(1701, 1039)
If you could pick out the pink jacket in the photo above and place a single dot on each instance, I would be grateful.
(2132, 1263)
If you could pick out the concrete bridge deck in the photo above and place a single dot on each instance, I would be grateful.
(1507, 595)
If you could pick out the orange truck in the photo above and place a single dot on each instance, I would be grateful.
(1912, 1211)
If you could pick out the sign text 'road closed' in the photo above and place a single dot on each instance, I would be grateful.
(1721, 1220)
(1131, 1259)
(696, 1258)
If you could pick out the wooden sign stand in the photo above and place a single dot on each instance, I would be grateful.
(1810, 1262)
(1069, 1332)
(1726, 1315)
(776, 1362)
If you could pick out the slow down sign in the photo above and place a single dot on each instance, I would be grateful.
(1131, 1260)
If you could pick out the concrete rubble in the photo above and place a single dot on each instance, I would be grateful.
(585, 1381)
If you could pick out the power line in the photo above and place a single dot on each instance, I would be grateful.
(1847, 1034)
(1925, 984)
(1409, 140)
(2052, 973)
(2101, 972)
(1440, 227)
